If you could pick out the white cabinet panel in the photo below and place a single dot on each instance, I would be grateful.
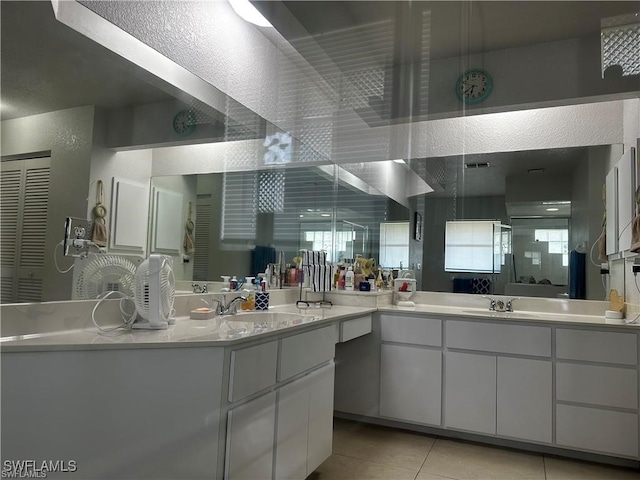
(293, 431)
(250, 434)
(320, 441)
(357, 327)
(597, 430)
(306, 350)
(129, 204)
(594, 346)
(414, 330)
(470, 392)
(252, 369)
(608, 386)
(305, 424)
(500, 338)
(524, 399)
(411, 384)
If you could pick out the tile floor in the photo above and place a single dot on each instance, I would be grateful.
(366, 452)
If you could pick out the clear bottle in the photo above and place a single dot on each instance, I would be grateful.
(349, 279)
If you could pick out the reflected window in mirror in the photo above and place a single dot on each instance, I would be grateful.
(394, 244)
(541, 250)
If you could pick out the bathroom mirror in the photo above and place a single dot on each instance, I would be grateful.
(88, 136)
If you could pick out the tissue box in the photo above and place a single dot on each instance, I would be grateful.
(202, 313)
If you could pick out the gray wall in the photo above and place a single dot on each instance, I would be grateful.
(68, 134)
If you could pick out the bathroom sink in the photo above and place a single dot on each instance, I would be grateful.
(490, 313)
(254, 322)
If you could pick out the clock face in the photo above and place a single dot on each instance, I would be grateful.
(474, 86)
(184, 123)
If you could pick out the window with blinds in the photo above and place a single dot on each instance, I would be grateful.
(239, 206)
(469, 246)
(394, 244)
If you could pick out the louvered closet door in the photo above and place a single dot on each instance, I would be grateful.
(23, 216)
(202, 238)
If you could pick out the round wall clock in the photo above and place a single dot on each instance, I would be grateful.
(184, 123)
(474, 86)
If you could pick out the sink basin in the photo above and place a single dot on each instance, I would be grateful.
(490, 313)
(252, 322)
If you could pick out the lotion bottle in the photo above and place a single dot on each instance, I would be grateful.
(349, 279)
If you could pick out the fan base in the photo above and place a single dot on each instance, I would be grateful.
(145, 325)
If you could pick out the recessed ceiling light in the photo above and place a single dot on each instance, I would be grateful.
(325, 215)
(249, 13)
(301, 216)
(552, 209)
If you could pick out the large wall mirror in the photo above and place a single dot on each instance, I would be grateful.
(373, 142)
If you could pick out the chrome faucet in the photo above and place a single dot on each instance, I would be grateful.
(198, 288)
(230, 308)
(509, 307)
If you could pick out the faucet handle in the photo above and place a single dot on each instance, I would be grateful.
(510, 303)
(492, 302)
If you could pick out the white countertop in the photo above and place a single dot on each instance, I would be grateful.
(214, 332)
(184, 333)
(517, 316)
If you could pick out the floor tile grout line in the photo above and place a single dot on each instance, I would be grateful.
(544, 465)
(375, 463)
(435, 439)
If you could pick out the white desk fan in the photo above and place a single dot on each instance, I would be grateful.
(105, 273)
(154, 291)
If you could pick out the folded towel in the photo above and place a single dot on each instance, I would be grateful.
(320, 276)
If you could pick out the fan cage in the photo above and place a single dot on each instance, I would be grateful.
(106, 273)
(167, 288)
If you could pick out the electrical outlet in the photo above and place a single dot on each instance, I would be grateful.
(76, 229)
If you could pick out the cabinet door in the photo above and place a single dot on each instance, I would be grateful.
(411, 384)
(250, 434)
(293, 430)
(524, 399)
(470, 392)
(320, 440)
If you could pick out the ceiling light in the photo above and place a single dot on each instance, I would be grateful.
(301, 216)
(325, 215)
(248, 12)
(552, 209)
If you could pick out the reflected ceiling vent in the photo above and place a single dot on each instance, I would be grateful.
(535, 170)
(477, 165)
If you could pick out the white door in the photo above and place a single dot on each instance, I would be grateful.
(411, 384)
(24, 190)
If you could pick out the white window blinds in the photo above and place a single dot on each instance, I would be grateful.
(469, 246)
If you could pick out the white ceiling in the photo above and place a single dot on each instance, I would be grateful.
(46, 66)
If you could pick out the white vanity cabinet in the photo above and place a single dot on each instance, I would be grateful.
(495, 394)
(597, 391)
(411, 369)
(305, 424)
(285, 432)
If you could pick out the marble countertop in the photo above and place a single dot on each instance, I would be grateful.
(236, 329)
(523, 316)
(219, 331)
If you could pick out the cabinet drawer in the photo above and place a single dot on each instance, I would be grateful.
(597, 430)
(306, 350)
(350, 329)
(501, 338)
(608, 386)
(408, 329)
(606, 347)
(252, 369)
